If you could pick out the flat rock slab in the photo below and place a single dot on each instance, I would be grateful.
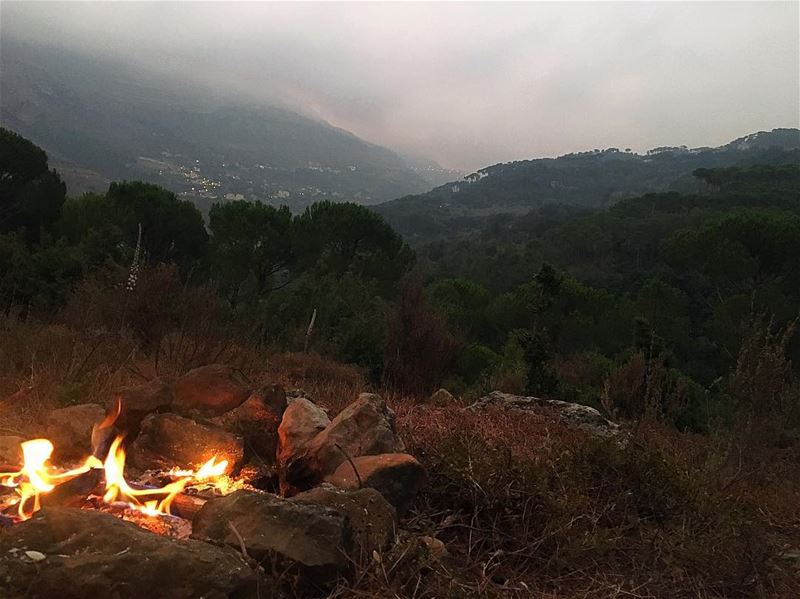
(312, 540)
(397, 476)
(168, 440)
(73, 554)
(70, 430)
(583, 417)
(210, 390)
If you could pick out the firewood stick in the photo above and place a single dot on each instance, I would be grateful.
(187, 506)
(74, 491)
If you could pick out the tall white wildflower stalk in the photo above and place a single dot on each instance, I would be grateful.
(133, 274)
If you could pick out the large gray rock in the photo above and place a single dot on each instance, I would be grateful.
(312, 540)
(365, 427)
(256, 421)
(72, 554)
(371, 517)
(210, 390)
(169, 440)
(70, 430)
(397, 476)
(302, 421)
(583, 417)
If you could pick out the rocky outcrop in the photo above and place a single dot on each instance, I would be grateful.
(70, 430)
(209, 390)
(169, 440)
(72, 553)
(312, 540)
(397, 476)
(372, 519)
(583, 417)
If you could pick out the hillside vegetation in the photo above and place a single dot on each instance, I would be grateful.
(672, 313)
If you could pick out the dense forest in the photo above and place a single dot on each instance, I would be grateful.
(649, 304)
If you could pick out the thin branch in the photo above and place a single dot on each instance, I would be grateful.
(352, 465)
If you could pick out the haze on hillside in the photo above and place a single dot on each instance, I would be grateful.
(464, 84)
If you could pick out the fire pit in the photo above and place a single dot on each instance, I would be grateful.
(100, 482)
(202, 459)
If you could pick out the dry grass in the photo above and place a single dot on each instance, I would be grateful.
(526, 506)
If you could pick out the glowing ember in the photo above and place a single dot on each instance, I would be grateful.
(211, 469)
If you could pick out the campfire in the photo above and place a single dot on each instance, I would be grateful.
(225, 474)
(102, 479)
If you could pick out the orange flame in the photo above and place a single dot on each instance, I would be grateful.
(147, 501)
(37, 476)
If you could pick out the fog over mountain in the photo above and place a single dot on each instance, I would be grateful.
(465, 85)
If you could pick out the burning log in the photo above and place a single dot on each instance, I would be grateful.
(75, 491)
(187, 506)
(166, 440)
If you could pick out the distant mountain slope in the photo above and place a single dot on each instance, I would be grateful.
(588, 179)
(100, 121)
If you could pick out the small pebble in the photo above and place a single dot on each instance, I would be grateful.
(35, 556)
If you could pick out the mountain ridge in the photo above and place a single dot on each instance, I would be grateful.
(592, 179)
(99, 123)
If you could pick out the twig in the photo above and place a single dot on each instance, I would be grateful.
(352, 465)
(240, 539)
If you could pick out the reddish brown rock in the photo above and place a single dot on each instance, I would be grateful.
(397, 476)
(257, 421)
(70, 430)
(371, 517)
(10, 452)
(210, 390)
(168, 440)
(129, 405)
(365, 427)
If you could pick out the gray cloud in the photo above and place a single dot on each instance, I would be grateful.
(466, 84)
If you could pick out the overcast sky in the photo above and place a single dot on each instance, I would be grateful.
(468, 84)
